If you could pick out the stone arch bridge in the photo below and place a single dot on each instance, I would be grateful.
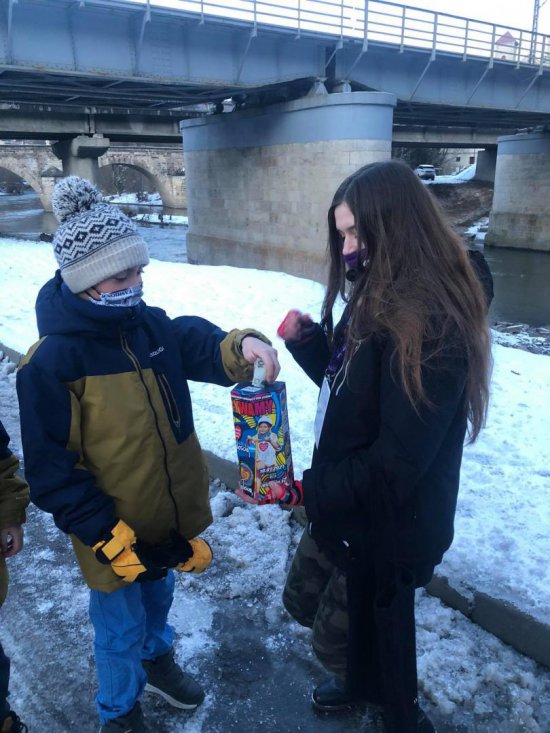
(40, 167)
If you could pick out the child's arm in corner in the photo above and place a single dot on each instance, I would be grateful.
(14, 498)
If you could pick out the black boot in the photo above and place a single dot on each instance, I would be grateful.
(13, 724)
(331, 696)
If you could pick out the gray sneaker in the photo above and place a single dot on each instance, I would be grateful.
(132, 722)
(167, 679)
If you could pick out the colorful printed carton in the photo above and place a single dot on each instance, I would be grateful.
(262, 434)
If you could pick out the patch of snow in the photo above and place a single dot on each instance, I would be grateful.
(150, 199)
(467, 174)
(161, 219)
(503, 511)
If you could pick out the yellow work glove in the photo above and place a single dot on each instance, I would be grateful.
(200, 559)
(117, 548)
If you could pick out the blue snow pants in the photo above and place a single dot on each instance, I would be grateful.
(130, 625)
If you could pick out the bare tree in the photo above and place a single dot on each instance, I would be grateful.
(416, 156)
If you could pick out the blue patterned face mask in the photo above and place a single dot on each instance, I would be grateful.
(128, 297)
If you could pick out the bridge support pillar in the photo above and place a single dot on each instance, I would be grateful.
(172, 189)
(520, 217)
(79, 155)
(260, 182)
(486, 165)
(48, 179)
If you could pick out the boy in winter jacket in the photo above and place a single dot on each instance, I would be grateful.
(110, 448)
(14, 498)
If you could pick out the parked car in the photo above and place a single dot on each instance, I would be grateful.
(425, 172)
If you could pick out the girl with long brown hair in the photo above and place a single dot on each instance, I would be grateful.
(402, 376)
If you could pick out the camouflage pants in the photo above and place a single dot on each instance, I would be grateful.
(315, 595)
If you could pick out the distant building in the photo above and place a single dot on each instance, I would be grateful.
(507, 48)
(458, 159)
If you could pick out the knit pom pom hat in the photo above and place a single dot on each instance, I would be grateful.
(94, 240)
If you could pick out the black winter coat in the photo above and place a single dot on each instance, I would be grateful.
(384, 478)
(381, 498)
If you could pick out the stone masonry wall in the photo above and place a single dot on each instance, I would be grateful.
(521, 215)
(266, 207)
(164, 166)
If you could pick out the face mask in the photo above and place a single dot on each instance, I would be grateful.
(355, 262)
(128, 297)
(351, 260)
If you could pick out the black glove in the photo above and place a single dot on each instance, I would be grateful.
(168, 554)
(187, 556)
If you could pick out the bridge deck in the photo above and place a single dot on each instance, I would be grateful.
(176, 57)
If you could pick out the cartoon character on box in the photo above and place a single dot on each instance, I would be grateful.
(266, 447)
(262, 436)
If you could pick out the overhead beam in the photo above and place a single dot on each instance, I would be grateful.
(118, 126)
(146, 18)
(9, 44)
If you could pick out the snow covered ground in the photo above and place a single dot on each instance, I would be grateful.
(161, 219)
(151, 199)
(471, 682)
(505, 474)
(467, 174)
(478, 230)
(148, 199)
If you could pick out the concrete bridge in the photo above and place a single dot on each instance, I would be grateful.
(295, 76)
(162, 165)
(148, 55)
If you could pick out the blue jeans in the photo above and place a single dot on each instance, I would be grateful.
(130, 625)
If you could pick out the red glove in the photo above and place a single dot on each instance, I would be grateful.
(287, 496)
(283, 494)
(296, 326)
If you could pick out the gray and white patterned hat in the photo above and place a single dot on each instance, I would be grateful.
(94, 240)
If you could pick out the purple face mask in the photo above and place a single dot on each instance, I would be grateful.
(355, 262)
(352, 260)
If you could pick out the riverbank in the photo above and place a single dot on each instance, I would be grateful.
(535, 339)
(468, 207)
(464, 204)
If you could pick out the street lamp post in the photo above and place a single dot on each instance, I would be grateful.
(538, 4)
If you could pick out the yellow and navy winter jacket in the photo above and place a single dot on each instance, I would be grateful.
(106, 419)
(14, 498)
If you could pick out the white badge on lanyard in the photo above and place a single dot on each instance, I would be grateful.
(322, 405)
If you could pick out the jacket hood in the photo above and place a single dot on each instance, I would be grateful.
(58, 311)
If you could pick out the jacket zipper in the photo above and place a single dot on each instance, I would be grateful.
(348, 362)
(170, 399)
(133, 358)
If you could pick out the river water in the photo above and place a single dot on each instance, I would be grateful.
(522, 277)
(23, 217)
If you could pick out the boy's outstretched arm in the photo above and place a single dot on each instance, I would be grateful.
(213, 355)
(254, 348)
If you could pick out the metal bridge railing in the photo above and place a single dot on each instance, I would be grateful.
(400, 26)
